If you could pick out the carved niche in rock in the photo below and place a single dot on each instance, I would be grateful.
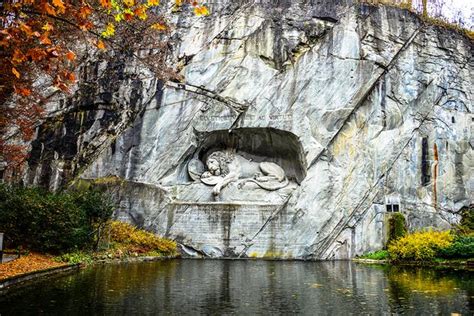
(225, 166)
(245, 165)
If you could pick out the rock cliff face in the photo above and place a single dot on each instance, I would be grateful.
(367, 110)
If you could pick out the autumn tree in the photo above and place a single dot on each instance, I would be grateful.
(39, 53)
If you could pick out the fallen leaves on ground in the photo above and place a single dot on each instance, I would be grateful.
(26, 264)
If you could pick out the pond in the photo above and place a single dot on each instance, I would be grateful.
(251, 287)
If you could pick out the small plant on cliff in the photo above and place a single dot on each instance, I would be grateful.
(397, 227)
(466, 226)
(420, 246)
(430, 13)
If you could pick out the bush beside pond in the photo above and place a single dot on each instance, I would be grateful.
(75, 224)
(121, 241)
(427, 246)
(461, 248)
(420, 246)
(51, 222)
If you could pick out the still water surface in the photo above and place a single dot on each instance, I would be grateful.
(216, 287)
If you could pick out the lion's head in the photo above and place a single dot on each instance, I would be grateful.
(218, 163)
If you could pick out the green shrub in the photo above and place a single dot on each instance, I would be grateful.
(377, 255)
(397, 227)
(461, 248)
(420, 246)
(51, 222)
(75, 257)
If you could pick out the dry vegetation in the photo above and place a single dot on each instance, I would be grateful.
(424, 15)
(129, 240)
(27, 264)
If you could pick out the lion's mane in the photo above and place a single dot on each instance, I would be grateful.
(224, 159)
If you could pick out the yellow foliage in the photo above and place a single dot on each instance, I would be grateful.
(270, 254)
(129, 3)
(144, 241)
(201, 10)
(109, 30)
(420, 246)
(153, 3)
(112, 180)
(141, 13)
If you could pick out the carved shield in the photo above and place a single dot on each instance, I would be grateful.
(195, 169)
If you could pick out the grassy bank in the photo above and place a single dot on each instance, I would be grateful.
(428, 247)
(121, 241)
(54, 229)
(446, 248)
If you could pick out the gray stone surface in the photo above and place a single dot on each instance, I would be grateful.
(340, 95)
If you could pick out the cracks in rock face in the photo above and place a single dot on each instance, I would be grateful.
(320, 248)
(268, 61)
(313, 33)
(119, 128)
(220, 35)
(248, 242)
(231, 103)
(355, 215)
(92, 120)
(362, 98)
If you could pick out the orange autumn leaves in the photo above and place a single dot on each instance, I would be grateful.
(128, 10)
(30, 39)
(36, 29)
(38, 39)
(59, 5)
(26, 264)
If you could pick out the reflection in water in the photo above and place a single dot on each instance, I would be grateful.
(429, 289)
(246, 287)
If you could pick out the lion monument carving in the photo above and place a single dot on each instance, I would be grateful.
(224, 167)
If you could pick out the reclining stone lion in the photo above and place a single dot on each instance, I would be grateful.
(225, 167)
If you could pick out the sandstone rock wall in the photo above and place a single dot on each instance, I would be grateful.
(374, 106)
